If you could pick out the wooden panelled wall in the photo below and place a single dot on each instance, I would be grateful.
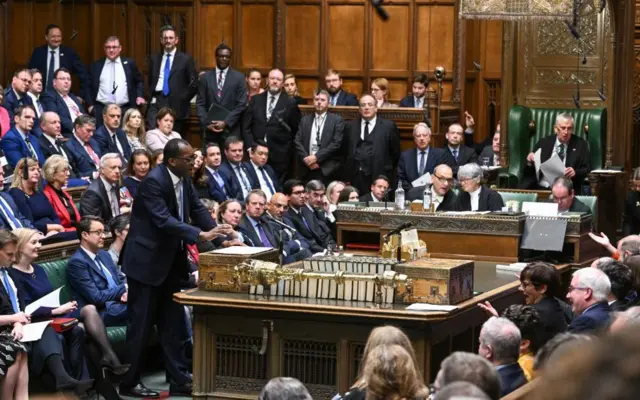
(304, 37)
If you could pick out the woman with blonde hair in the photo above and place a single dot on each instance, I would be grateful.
(56, 173)
(381, 92)
(133, 126)
(291, 87)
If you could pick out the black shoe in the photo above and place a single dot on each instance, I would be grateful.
(116, 370)
(181, 390)
(138, 390)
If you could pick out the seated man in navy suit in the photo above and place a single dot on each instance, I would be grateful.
(235, 169)
(303, 219)
(61, 101)
(52, 56)
(17, 95)
(423, 159)
(419, 96)
(260, 174)
(93, 276)
(294, 244)
(110, 137)
(219, 185)
(20, 142)
(83, 149)
(500, 345)
(588, 294)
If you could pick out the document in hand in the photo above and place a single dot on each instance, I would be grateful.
(422, 181)
(552, 168)
(216, 113)
(44, 305)
(33, 332)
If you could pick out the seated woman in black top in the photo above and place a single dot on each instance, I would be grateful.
(631, 215)
(32, 283)
(137, 168)
(475, 196)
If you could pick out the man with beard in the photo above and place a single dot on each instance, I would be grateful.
(337, 96)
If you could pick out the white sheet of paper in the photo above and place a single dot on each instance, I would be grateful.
(422, 181)
(540, 209)
(606, 171)
(50, 300)
(241, 250)
(33, 332)
(409, 236)
(466, 212)
(552, 168)
(536, 161)
(430, 307)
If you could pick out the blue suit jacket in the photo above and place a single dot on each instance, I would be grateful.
(52, 101)
(253, 176)
(15, 147)
(103, 138)
(11, 102)
(155, 242)
(216, 192)
(89, 283)
(408, 165)
(236, 189)
(135, 83)
(16, 213)
(593, 319)
(83, 164)
(68, 59)
(511, 377)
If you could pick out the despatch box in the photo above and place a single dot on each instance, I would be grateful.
(436, 281)
(215, 269)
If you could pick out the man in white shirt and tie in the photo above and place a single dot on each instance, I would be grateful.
(114, 79)
(418, 97)
(261, 174)
(35, 90)
(61, 101)
(236, 170)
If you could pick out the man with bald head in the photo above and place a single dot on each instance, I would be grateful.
(294, 244)
(372, 147)
(441, 193)
(273, 117)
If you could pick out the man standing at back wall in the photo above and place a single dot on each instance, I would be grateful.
(173, 81)
(225, 90)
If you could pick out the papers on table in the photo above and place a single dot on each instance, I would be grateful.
(422, 181)
(514, 267)
(466, 212)
(540, 209)
(409, 236)
(45, 304)
(430, 307)
(33, 332)
(606, 171)
(241, 250)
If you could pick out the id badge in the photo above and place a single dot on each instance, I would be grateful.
(153, 100)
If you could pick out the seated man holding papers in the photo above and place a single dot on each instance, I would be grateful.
(562, 154)
(563, 195)
(474, 196)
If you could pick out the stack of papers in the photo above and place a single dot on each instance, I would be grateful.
(514, 267)
(430, 307)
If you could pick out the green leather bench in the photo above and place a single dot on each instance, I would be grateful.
(520, 197)
(57, 274)
(528, 125)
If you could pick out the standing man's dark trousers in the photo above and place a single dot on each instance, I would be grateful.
(154, 305)
(362, 182)
(180, 125)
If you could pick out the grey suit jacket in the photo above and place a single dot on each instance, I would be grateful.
(330, 142)
(234, 97)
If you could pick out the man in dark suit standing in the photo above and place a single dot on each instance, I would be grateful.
(17, 95)
(225, 88)
(500, 345)
(303, 219)
(166, 216)
(319, 140)
(572, 151)
(337, 96)
(83, 150)
(273, 117)
(475, 196)
(114, 79)
(588, 294)
(419, 97)
(260, 174)
(61, 101)
(20, 142)
(173, 81)
(414, 163)
(52, 56)
(110, 137)
(102, 197)
(458, 154)
(372, 146)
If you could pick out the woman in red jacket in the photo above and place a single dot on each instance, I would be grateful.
(56, 173)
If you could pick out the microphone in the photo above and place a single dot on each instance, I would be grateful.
(282, 224)
(399, 229)
(382, 13)
(281, 121)
(574, 31)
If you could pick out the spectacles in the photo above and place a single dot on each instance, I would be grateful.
(99, 233)
(443, 179)
(572, 288)
(111, 47)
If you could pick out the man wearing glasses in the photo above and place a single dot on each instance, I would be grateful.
(442, 183)
(114, 79)
(173, 81)
(588, 294)
(17, 96)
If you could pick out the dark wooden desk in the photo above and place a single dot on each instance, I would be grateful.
(321, 342)
(480, 237)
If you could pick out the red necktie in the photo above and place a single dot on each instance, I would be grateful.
(92, 154)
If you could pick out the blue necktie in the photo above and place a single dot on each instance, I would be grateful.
(266, 179)
(305, 221)
(10, 292)
(8, 214)
(52, 65)
(455, 154)
(422, 163)
(263, 237)
(110, 282)
(220, 181)
(167, 70)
